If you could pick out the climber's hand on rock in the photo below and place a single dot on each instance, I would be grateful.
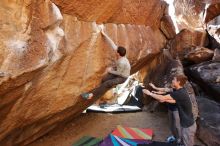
(101, 28)
(109, 69)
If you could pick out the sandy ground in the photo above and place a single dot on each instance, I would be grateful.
(100, 125)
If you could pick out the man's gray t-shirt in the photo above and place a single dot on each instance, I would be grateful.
(184, 106)
(123, 67)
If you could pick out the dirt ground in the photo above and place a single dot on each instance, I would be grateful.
(101, 124)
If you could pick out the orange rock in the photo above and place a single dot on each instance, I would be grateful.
(167, 27)
(212, 11)
(185, 40)
(115, 11)
(48, 58)
(199, 54)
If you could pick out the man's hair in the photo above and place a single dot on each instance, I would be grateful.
(182, 79)
(121, 50)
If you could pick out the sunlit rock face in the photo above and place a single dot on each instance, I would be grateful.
(182, 43)
(49, 57)
(193, 15)
(18, 38)
(213, 11)
(189, 14)
(29, 41)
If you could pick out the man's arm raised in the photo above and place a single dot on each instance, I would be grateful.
(109, 40)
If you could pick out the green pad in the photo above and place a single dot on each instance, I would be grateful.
(87, 141)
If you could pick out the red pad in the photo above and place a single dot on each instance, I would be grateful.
(133, 133)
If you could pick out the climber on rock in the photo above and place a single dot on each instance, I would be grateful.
(113, 77)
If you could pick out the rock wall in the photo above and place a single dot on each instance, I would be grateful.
(48, 57)
(197, 45)
(207, 75)
(115, 11)
(193, 15)
(182, 43)
(189, 14)
(213, 11)
(208, 123)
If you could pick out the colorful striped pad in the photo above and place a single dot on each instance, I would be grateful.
(113, 140)
(133, 133)
(88, 141)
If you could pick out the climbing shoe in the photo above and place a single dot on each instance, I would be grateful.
(171, 139)
(85, 95)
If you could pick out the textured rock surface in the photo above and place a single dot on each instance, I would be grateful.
(167, 27)
(199, 54)
(209, 122)
(207, 75)
(192, 14)
(48, 58)
(184, 40)
(189, 14)
(30, 35)
(212, 11)
(216, 56)
(115, 11)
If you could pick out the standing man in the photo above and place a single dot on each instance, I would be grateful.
(173, 115)
(113, 77)
(182, 100)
